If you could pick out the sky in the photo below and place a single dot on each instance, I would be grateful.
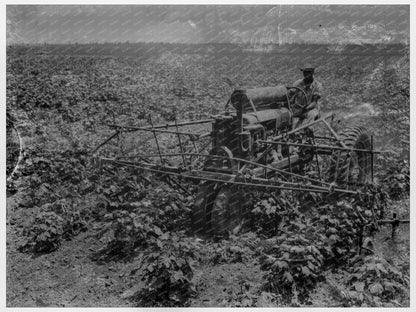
(202, 23)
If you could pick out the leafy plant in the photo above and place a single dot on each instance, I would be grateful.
(117, 189)
(293, 266)
(55, 222)
(124, 190)
(53, 176)
(124, 231)
(171, 208)
(329, 234)
(244, 296)
(167, 272)
(269, 211)
(74, 217)
(397, 180)
(45, 234)
(372, 281)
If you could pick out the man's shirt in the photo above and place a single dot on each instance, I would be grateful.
(300, 103)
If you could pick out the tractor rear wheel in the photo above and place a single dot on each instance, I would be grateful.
(350, 169)
(227, 211)
(201, 211)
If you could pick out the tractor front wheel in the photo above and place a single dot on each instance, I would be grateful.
(227, 211)
(205, 197)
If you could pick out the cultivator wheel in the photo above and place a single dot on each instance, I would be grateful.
(350, 169)
(205, 197)
(226, 214)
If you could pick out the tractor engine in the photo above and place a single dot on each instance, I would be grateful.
(260, 113)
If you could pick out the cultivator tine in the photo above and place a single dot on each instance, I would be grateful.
(316, 159)
(105, 142)
(372, 159)
(180, 145)
(195, 147)
(290, 164)
(335, 134)
(337, 166)
(157, 141)
(170, 180)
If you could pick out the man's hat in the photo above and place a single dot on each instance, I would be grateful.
(307, 67)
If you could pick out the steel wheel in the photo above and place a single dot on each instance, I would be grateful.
(204, 201)
(227, 212)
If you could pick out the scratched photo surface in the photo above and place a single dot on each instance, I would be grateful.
(208, 156)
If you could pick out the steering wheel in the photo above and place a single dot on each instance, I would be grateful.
(294, 97)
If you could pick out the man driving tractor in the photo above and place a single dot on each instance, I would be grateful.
(305, 96)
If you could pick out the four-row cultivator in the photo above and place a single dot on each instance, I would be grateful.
(253, 146)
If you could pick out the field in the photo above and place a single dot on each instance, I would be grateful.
(82, 235)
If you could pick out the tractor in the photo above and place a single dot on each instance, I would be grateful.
(254, 144)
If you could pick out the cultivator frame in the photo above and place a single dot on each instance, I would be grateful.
(245, 173)
(256, 147)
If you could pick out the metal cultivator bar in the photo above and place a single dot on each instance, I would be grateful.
(224, 168)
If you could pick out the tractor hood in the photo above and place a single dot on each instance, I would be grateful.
(260, 98)
(281, 116)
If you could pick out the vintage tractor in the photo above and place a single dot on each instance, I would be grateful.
(255, 145)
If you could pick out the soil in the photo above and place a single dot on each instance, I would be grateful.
(72, 277)
(66, 277)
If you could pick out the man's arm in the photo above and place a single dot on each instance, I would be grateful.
(316, 95)
(314, 102)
